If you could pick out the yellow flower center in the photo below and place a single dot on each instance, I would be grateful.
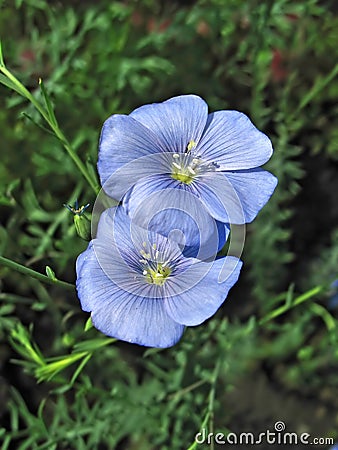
(188, 165)
(184, 166)
(155, 271)
(158, 275)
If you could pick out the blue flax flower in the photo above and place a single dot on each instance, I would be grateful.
(185, 220)
(140, 288)
(177, 145)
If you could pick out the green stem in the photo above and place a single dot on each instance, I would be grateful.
(318, 86)
(54, 126)
(75, 158)
(322, 312)
(32, 273)
(12, 298)
(284, 308)
(211, 406)
(208, 420)
(185, 390)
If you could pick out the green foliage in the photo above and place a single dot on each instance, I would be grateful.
(65, 67)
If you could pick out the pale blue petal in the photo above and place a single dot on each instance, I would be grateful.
(163, 205)
(201, 290)
(223, 230)
(233, 142)
(115, 229)
(137, 320)
(139, 168)
(119, 246)
(83, 261)
(123, 140)
(199, 237)
(175, 122)
(121, 315)
(209, 247)
(236, 197)
(137, 197)
(220, 197)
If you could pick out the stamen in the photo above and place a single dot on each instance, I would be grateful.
(145, 255)
(189, 165)
(192, 144)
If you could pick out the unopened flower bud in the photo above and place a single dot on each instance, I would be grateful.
(82, 226)
(81, 221)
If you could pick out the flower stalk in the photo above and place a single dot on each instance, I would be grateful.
(34, 274)
(9, 80)
(287, 306)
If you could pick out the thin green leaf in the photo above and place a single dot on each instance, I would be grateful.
(318, 86)
(91, 166)
(50, 273)
(2, 62)
(6, 442)
(92, 344)
(80, 368)
(89, 324)
(322, 312)
(8, 83)
(48, 103)
(38, 124)
(290, 295)
(57, 365)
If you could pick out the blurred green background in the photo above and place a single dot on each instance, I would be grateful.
(64, 386)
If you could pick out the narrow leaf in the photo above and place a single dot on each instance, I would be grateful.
(48, 103)
(8, 83)
(38, 124)
(80, 368)
(50, 273)
(2, 62)
(88, 325)
(318, 86)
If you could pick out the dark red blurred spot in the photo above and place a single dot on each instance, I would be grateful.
(27, 56)
(203, 28)
(278, 70)
(155, 25)
(137, 19)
